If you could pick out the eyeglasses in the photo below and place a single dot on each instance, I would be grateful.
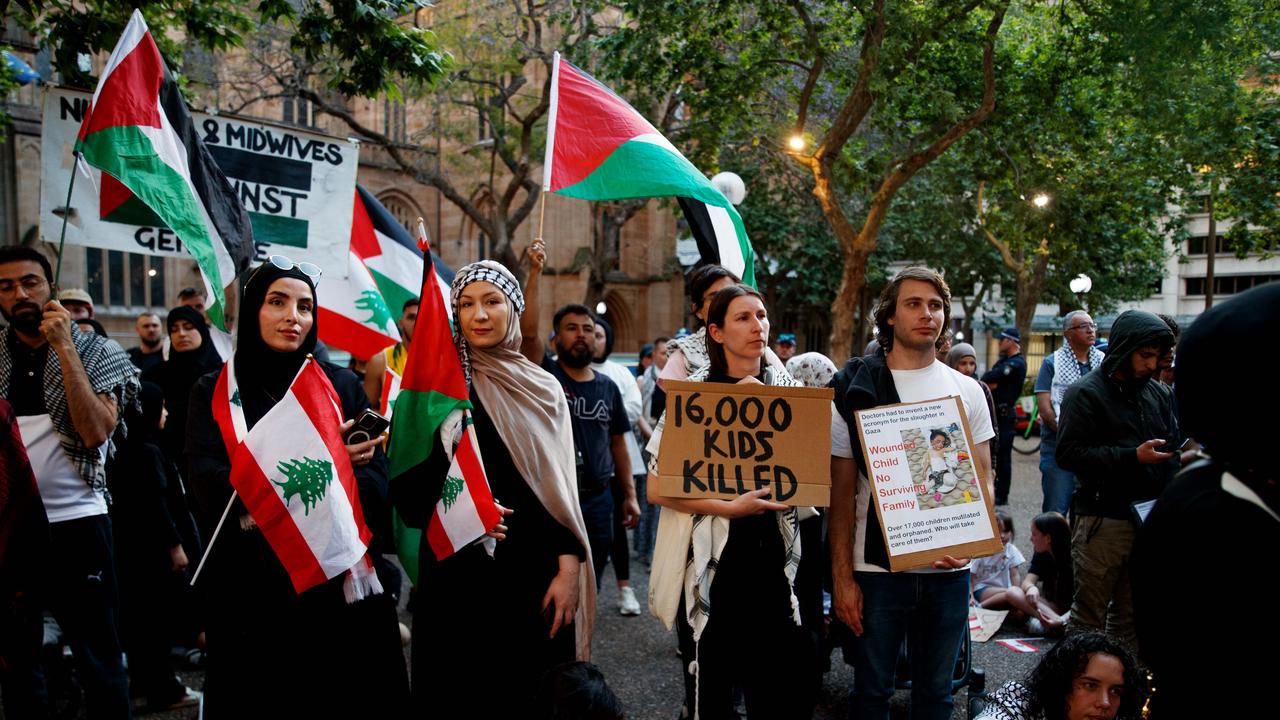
(30, 283)
(1084, 326)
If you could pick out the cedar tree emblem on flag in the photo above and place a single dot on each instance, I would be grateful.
(307, 478)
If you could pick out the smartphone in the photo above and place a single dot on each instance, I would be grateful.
(368, 426)
(1168, 448)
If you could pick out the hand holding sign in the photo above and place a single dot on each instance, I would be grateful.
(747, 439)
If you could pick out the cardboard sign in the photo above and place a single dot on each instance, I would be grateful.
(929, 493)
(297, 187)
(720, 441)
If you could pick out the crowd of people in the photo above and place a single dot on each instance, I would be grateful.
(123, 479)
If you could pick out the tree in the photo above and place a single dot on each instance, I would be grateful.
(361, 47)
(878, 90)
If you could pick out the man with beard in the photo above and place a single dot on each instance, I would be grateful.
(67, 389)
(925, 607)
(1118, 433)
(149, 352)
(600, 422)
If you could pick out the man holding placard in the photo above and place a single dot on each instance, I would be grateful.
(924, 465)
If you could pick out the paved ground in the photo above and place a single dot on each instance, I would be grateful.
(637, 654)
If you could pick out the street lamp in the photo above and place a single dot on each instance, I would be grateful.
(1080, 285)
(1040, 200)
(601, 308)
(796, 142)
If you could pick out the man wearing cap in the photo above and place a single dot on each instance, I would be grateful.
(1005, 380)
(77, 302)
(786, 346)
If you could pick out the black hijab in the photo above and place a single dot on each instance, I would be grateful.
(179, 373)
(263, 374)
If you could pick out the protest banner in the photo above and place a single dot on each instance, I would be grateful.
(297, 187)
(928, 492)
(720, 441)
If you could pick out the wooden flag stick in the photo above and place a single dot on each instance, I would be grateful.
(542, 213)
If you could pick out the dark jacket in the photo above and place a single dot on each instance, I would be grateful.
(1105, 419)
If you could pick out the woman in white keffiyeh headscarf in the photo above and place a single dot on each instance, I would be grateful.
(524, 607)
(724, 571)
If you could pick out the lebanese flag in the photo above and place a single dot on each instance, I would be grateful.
(295, 478)
(138, 132)
(432, 390)
(394, 259)
(354, 315)
(600, 148)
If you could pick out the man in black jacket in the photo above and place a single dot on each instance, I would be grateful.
(1116, 433)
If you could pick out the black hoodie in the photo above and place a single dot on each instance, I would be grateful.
(1104, 419)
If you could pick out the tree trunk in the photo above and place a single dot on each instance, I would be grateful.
(607, 221)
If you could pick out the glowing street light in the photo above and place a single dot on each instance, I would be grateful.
(1081, 284)
(1040, 200)
(796, 142)
(601, 308)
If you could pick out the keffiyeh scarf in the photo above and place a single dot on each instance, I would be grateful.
(109, 371)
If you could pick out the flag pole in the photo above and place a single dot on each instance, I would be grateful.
(205, 556)
(542, 212)
(66, 212)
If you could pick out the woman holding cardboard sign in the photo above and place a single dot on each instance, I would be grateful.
(725, 570)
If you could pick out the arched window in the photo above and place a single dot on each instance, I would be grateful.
(403, 208)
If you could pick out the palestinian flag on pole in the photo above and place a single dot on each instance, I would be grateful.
(600, 148)
(299, 486)
(434, 388)
(138, 131)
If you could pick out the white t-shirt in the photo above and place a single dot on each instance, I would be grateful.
(65, 494)
(928, 383)
(993, 570)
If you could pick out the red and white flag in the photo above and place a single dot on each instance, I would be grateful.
(294, 477)
(465, 510)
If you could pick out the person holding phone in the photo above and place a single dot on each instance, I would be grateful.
(529, 604)
(1118, 433)
(269, 646)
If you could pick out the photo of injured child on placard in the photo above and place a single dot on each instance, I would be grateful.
(939, 463)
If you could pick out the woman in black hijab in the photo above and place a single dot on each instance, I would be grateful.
(272, 651)
(191, 355)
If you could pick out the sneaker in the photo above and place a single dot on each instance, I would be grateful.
(188, 698)
(628, 605)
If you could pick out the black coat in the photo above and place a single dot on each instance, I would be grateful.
(1104, 419)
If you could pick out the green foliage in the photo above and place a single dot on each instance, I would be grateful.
(8, 81)
(361, 47)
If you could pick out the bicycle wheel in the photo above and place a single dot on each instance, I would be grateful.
(1025, 445)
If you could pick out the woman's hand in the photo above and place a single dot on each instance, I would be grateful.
(177, 558)
(360, 453)
(499, 531)
(562, 594)
(752, 503)
(537, 253)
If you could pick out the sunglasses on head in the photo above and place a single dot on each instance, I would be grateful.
(309, 269)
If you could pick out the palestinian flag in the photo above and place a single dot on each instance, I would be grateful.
(600, 148)
(138, 132)
(298, 485)
(393, 258)
(434, 388)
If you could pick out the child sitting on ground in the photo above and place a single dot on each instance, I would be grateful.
(1047, 607)
(992, 577)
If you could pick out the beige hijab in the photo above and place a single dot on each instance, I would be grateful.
(529, 410)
